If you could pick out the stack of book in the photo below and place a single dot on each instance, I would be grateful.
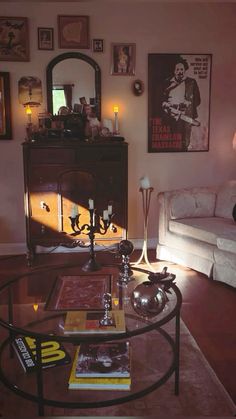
(101, 366)
(87, 322)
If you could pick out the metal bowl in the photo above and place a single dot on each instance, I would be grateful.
(147, 299)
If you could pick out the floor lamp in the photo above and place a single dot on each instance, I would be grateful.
(146, 191)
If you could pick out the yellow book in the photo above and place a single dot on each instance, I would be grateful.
(87, 322)
(103, 383)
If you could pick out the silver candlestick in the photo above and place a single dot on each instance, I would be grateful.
(107, 319)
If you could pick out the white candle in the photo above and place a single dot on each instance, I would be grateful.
(74, 211)
(91, 204)
(145, 182)
(105, 215)
(109, 209)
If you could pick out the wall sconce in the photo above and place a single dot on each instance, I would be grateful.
(116, 123)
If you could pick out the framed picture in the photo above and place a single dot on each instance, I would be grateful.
(5, 107)
(14, 39)
(123, 59)
(73, 32)
(97, 45)
(45, 38)
(178, 102)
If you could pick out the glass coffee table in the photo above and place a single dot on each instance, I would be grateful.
(30, 306)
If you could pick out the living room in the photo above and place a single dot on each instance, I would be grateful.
(154, 27)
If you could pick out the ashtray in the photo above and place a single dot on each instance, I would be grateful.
(162, 278)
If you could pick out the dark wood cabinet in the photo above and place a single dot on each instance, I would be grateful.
(60, 178)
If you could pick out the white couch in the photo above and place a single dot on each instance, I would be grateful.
(197, 230)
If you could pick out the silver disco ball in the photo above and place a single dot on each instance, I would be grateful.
(148, 300)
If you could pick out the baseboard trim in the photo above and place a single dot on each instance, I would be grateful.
(21, 249)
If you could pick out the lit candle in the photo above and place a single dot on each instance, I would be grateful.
(109, 209)
(116, 110)
(105, 215)
(91, 204)
(145, 182)
(29, 113)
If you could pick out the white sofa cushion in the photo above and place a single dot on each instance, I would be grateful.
(188, 204)
(226, 199)
(206, 229)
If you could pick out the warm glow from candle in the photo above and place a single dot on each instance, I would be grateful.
(35, 307)
(28, 110)
(116, 109)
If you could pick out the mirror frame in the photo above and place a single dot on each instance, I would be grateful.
(79, 56)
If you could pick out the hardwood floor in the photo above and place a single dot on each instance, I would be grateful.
(208, 309)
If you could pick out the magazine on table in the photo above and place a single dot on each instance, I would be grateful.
(107, 359)
(52, 353)
(96, 383)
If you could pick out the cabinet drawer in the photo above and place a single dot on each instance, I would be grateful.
(98, 154)
(45, 178)
(44, 206)
(51, 155)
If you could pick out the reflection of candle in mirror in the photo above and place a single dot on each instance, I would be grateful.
(35, 307)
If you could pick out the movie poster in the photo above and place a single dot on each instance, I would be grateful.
(178, 102)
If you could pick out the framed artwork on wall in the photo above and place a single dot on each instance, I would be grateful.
(5, 107)
(45, 38)
(73, 32)
(14, 39)
(179, 102)
(97, 45)
(123, 59)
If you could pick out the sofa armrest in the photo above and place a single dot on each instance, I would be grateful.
(184, 203)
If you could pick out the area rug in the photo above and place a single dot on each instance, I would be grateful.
(201, 394)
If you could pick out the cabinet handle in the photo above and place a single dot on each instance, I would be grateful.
(44, 206)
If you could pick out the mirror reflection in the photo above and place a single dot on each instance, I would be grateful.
(73, 85)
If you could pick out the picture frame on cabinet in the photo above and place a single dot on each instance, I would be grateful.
(123, 59)
(97, 45)
(45, 38)
(14, 39)
(179, 88)
(5, 107)
(73, 32)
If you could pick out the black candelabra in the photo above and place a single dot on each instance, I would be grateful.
(97, 224)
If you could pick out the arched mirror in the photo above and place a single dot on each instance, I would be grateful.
(73, 79)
